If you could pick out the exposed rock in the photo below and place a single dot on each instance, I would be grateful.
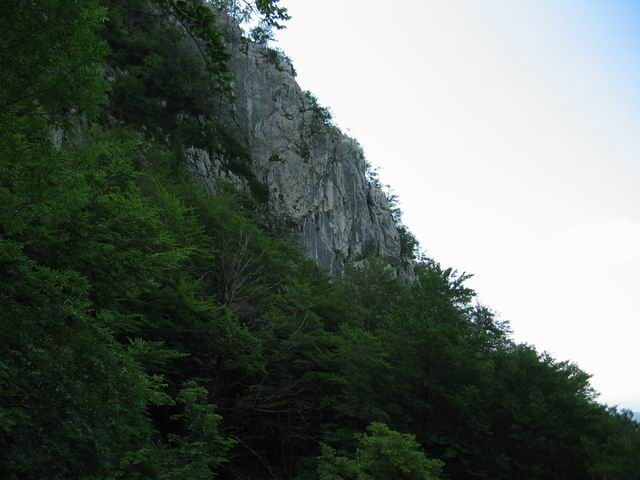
(315, 175)
(209, 172)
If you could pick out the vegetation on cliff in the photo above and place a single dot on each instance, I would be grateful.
(152, 331)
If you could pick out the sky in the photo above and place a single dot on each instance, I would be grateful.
(510, 131)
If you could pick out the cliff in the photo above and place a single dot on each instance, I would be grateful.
(315, 177)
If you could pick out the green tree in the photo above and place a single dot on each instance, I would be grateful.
(51, 57)
(614, 445)
(381, 454)
(197, 454)
(72, 400)
(266, 15)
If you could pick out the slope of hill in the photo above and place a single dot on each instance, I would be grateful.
(200, 279)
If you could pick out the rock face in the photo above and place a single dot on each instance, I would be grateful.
(315, 175)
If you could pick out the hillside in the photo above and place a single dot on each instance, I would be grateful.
(202, 278)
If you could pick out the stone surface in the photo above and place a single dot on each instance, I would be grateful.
(209, 171)
(316, 175)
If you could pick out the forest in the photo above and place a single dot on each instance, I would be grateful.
(151, 330)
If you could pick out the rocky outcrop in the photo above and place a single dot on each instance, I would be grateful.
(315, 175)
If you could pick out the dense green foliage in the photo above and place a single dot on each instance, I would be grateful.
(152, 331)
(381, 454)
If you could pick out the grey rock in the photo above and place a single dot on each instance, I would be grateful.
(210, 171)
(316, 175)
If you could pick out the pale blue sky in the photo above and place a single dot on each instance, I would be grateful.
(510, 130)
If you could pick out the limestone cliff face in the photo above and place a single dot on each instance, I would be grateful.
(315, 175)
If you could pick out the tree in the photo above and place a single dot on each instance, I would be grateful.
(381, 454)
(197, 454)
(72, 400)
(51, 57)
(267, 15)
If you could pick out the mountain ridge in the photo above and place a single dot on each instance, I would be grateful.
(316, 177)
